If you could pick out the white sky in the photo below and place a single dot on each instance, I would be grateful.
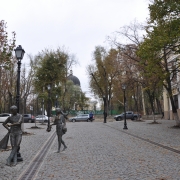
(79, 25)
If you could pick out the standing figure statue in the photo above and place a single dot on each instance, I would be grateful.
(13, 125)
(60, 122)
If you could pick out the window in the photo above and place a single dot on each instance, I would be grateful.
(85, 115)
(5, 115)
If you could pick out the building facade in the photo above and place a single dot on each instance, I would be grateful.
(175, 83)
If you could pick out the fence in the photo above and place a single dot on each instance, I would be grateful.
(100, 112)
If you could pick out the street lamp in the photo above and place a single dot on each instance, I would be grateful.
(124, 89)
(49, 101)
(19, 52)
(19, 55)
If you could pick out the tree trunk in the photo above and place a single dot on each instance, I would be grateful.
(105, 109)
(154, 119)
(151, 99)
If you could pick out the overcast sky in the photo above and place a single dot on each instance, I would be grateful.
(79, 25)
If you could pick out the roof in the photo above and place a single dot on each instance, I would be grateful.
(74, 79)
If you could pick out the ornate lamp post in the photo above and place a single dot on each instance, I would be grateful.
(19, 55)
(49, 102)
(124, 89)
(19, 52)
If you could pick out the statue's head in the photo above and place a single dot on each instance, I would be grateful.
(13, 109)
(58, 111)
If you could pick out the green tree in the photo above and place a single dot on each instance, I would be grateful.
(52, 68)
(102, 74)
(161, 44)
(7, 65)
(6, 45)
(133, 70)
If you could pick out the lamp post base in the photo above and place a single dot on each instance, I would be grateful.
(125, 127)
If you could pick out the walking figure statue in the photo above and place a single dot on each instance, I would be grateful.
(60, 122)
(13, 125)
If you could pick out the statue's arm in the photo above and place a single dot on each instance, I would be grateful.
(20, 119)
(54, 123)
(63, 119)
(5, 123)
(65, 115)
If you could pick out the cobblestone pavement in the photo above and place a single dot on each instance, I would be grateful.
(31, 144)
(98, 151)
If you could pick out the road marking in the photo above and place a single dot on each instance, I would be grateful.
(34, 165)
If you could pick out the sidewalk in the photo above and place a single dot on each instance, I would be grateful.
(30, 145)
(103, 152)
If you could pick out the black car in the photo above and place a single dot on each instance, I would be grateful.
(29, 118)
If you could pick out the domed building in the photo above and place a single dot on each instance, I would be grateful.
(74, 79)
(77, 90)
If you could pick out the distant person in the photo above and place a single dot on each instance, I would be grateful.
(162, 115)
(91, 116)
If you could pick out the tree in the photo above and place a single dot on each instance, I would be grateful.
(134, 71)
(6, 67)
(102, 75)
(6, 46)
(52, 68)
(161, 44)
(27, 88)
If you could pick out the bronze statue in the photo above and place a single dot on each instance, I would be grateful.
(60, 122)
(13, 125)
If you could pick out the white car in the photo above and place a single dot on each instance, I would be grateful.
(4, 116)
(42, 118)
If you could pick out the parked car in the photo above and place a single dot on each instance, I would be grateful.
(42, 118)
(4, 116)
(29, 118)
(80, 117)
(129, 115)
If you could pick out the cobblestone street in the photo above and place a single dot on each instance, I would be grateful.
(101, 151)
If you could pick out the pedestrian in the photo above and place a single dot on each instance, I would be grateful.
(91, 116)
(61, 129)
(162, 115)
(13, 125)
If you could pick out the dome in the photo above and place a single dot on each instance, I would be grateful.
(74, 79)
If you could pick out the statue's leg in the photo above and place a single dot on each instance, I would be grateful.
(59, 142)
(15, 159)
(19, 158)
(63, 144)
(12, 154)
(18, 139)
(12, 140)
